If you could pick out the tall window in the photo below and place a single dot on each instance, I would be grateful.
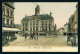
(46, 28)
(8, 21)
(23, 24)
(49, 28)
(45, 22)
(11, 22)
(36, 22)
(3, 21)
(7, 12)
(3, 11)
(30, 28)
(33, 28)
(33, 22)
(11, 14)
(42, 28)
(37, 28)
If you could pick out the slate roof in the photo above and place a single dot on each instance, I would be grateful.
(46, 16)
(42, 17)
(25, 18)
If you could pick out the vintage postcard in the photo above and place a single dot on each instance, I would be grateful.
(39, 26)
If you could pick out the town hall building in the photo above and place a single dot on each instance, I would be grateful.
(38, 22)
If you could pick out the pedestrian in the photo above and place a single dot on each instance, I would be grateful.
(25, 35)
(73, 41)
(37, 35)
(45, 34)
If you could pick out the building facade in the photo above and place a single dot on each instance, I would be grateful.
(60, 32)
(8, 14)
(73, 22)
(18, 26)
(76, 20)
(8, 26)
(55, 29)
(38, 23)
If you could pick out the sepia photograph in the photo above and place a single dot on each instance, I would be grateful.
(39, 26)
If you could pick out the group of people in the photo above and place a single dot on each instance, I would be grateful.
(73, 39)
(33, 35)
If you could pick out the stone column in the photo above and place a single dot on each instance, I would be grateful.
(32, 25)
(47, 25)
(38, 25)
(35, 25)
(44, 24)
(22, 27)
(29, 26)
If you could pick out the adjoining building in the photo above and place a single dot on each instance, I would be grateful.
(38, 23)
(73, 22)
(76, 19)
(8, 26)
(66, 29)
(8, 14)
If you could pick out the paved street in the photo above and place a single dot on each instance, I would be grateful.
(48, 41)
(59, 41)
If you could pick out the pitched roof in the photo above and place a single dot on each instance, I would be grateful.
(25, 18)
(46, 16)
(42, 17)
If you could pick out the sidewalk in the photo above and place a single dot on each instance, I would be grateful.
(63, 38)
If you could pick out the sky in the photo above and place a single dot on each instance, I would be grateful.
(61, 11)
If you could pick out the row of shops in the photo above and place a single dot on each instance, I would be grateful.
(9, 34)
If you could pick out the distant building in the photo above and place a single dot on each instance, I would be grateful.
(38, 23)
(55, 29)
(66, 29)
(18, 26)
(60, 32)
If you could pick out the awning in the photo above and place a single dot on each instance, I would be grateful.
(6, 29)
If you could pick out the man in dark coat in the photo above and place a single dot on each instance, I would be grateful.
(32, 35)
(25, 35)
